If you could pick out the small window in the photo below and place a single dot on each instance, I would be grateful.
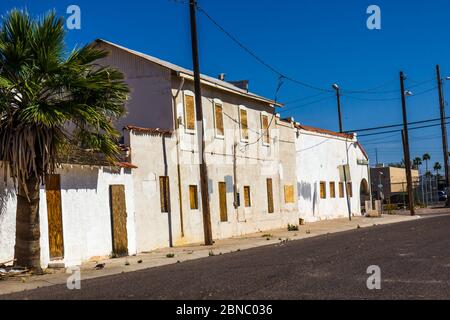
(341, 189)
(289, 193)
(349, 189)
(265, 129)
(243, 123)
(247, 197)
(332, 189)
(270, 207)
(323, 190)
(218, 118)
(164, 193)
(189, 111)
(193, 197)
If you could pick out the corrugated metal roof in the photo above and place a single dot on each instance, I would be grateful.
(218, 83)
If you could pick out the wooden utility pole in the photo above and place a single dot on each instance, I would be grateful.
(341, 130)
(204, 190)
(443, 126)
(406, 146)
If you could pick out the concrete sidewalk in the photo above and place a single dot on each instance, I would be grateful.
(167, 256)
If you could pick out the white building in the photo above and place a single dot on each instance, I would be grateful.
(322, 156)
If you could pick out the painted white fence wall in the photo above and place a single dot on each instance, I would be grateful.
(86, 215)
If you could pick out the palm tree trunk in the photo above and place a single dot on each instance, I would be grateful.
(27, 251)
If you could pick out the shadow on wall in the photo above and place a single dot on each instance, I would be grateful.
(7, 191)
(72, 179)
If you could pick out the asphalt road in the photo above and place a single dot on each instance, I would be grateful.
(414, 259)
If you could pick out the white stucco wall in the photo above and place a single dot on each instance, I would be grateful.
(86, 215)
(319, 157)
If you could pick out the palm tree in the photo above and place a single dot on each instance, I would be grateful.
(417, 162)
(49, 99)
(425, 158)
(437, 166)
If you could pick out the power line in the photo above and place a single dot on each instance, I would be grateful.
(415, 128)
(307, 104)
(396, 125)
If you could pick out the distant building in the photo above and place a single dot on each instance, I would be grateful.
(389, 183)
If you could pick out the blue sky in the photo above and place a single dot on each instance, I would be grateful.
(320, 42)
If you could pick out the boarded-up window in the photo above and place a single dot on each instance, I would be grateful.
(223, 201)
(349, 189)
(244, 123)
(289, 193)
(193, 197)
(270, 207)
(247, 197)
(341, 189)
(189, 111)
(164, 193)
(332, 189)
(218, 117)
(323, 190)
(265, 128)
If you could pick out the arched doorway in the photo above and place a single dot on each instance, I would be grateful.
(364, 194)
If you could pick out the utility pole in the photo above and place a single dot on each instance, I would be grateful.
(406, 146)
(341, 130)
(376, 156)
(204, 190)
(443, 126)
(338, 97)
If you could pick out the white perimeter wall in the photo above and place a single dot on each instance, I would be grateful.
(86, 215)
(318, 159)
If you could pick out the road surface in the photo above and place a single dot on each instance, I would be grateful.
(413, 257)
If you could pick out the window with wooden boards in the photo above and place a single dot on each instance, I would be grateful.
(270, 207)
(193, 197)
(289, 193)
(349, 189)
(243, 123)
(218, 118)
(341, 189)
(332, 189)
(189, 111)
(265, 129)
(164, 194)
(247, 197)
(323, 190)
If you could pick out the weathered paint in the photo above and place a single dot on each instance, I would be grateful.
(86, 215)
(319, 158)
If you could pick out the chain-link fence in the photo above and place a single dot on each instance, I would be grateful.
(427, 190)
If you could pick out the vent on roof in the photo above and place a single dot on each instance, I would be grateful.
(221, 76)
(242, 84)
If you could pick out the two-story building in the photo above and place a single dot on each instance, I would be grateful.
(249, 151)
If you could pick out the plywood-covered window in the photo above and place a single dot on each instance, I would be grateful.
(289, 193)
(243, 120)
(265, 128)
(323, 190)
(247, 197)
(189, 111)
(349, 189)
(164, 194)
(269, 186)
(341, 189)
(332, 189)
(193, 197)
(218, 118)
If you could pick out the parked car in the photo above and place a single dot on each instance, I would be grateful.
(442, 196)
